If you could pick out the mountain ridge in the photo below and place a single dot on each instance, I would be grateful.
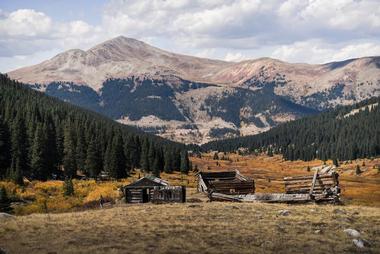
(196, 100)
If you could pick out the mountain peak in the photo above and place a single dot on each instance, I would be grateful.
(121, 41)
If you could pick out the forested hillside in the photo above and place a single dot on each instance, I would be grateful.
(43, 138)
(342, 134)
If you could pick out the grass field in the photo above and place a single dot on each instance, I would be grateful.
(194, 228)
(53, 223)
(268, 172)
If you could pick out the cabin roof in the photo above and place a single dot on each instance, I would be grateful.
(148, 181)
(218, 175)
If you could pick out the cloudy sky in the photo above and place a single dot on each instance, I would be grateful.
(312, 31)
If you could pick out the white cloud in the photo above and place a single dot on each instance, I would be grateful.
(293, 30)
(234, 57)
(25, 22)
(315, 51)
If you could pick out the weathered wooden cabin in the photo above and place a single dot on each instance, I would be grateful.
(225, 182)
(169, 194)
(141, 191)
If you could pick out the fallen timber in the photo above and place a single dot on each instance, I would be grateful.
(299, 189)
(225, 182)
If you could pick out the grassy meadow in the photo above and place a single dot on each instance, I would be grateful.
(268, 172)
(195, 228)
(54, 223)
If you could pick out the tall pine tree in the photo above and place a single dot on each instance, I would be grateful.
(69, 152)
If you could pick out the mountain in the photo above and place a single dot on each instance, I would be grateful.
(40, 135)
(196, 100)
(344, 133)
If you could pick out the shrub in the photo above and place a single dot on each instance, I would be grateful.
(68, 187)
(3, 195)
(358, 171)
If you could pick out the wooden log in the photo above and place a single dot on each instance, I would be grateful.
(305, 177)
(309, 181)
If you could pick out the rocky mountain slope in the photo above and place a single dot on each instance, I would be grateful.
(195, 100)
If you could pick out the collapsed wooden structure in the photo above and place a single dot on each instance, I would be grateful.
(153, 189)
(169, 194)
(225, 182)
(298, 189)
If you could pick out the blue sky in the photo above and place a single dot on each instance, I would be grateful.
(312, 31)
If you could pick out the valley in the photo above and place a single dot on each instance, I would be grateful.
(198, 225)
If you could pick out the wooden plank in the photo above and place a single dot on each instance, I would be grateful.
(309, 181)
(310, 177)
(313, 183)
(293, 187)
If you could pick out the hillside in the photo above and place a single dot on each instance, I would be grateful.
(196, 100)
(345, 133)
(44, 138)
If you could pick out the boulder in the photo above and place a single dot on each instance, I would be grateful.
(284, 212)
(352, 232)
(6, 216)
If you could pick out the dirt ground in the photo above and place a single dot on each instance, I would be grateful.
(195, 228)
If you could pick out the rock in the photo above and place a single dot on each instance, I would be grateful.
(318, 231)
(352, 232)
(6, 216)
(358, 243)
(193, 206)
(339, 211)
(361, 243)
(284, 212)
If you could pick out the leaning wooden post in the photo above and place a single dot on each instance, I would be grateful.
(313, 183)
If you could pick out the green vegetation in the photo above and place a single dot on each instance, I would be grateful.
(335, 134)
(43, 138)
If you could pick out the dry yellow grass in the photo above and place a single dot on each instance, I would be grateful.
(267, 172)
(43, 197)
(194, 228)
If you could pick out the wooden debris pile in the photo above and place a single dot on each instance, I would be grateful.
(225, 182)
(299, 189)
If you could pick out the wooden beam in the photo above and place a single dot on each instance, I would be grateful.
(313, 183)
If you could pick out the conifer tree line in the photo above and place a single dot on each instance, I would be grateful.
(43, 138)
(336, 135)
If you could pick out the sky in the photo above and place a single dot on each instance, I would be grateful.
(311, 31)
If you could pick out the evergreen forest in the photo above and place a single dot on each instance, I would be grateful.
(43, 138)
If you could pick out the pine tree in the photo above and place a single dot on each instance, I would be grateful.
(132, 153)
(52, 156)
(117, 158)
(185, 167)
(39, 164)
(92, 163)
(19, 141)
(80, 150)
(145, 155)
(5, 156)
(69, 155)
(156, 167)
(168, 161)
